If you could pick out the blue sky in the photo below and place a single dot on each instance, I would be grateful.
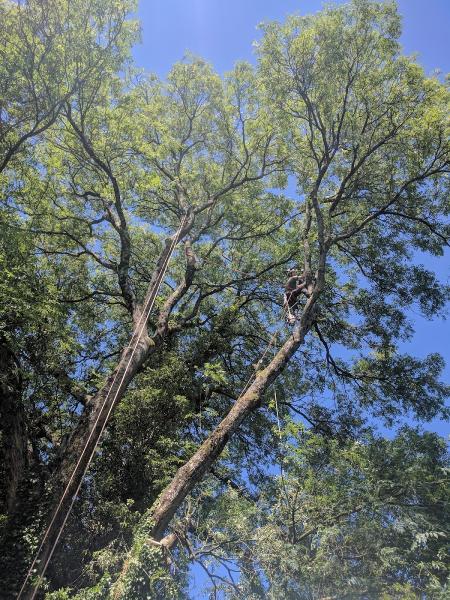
(222, 32)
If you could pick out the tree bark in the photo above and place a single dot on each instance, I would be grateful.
(200, 463)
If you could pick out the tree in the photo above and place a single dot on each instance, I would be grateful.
(132, 168)
(197, 177)
(367, 144)
(49, 49)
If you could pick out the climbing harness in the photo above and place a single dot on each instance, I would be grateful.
(138, 331)
(291, 311)
(290, 314)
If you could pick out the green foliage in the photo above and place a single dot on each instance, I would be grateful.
(215, 373)
(367, 518)
(48, 50)
(98, 166)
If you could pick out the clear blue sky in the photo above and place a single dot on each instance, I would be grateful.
(222, 32)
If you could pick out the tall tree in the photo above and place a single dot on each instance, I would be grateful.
(192, 140)
(132, 169)
(367, 138)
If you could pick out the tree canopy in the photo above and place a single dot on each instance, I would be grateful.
(208, 430)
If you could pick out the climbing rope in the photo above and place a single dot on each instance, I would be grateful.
(269, 345)
(276, 409)
(283, 481)
(288, 310)
(138, 331)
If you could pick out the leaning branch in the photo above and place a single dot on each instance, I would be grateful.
(193, 471)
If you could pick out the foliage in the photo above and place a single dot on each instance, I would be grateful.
(366, 518)
(330, 155)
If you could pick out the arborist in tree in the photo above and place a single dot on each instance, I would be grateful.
(295, 286)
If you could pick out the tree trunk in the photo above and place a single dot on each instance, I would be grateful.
(200, 463)
(81, 444)
(187, 476)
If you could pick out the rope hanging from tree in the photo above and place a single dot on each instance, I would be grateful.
(134, 341)
(138, 331)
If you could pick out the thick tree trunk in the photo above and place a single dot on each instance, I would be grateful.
(200, 463)
(187, 476)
